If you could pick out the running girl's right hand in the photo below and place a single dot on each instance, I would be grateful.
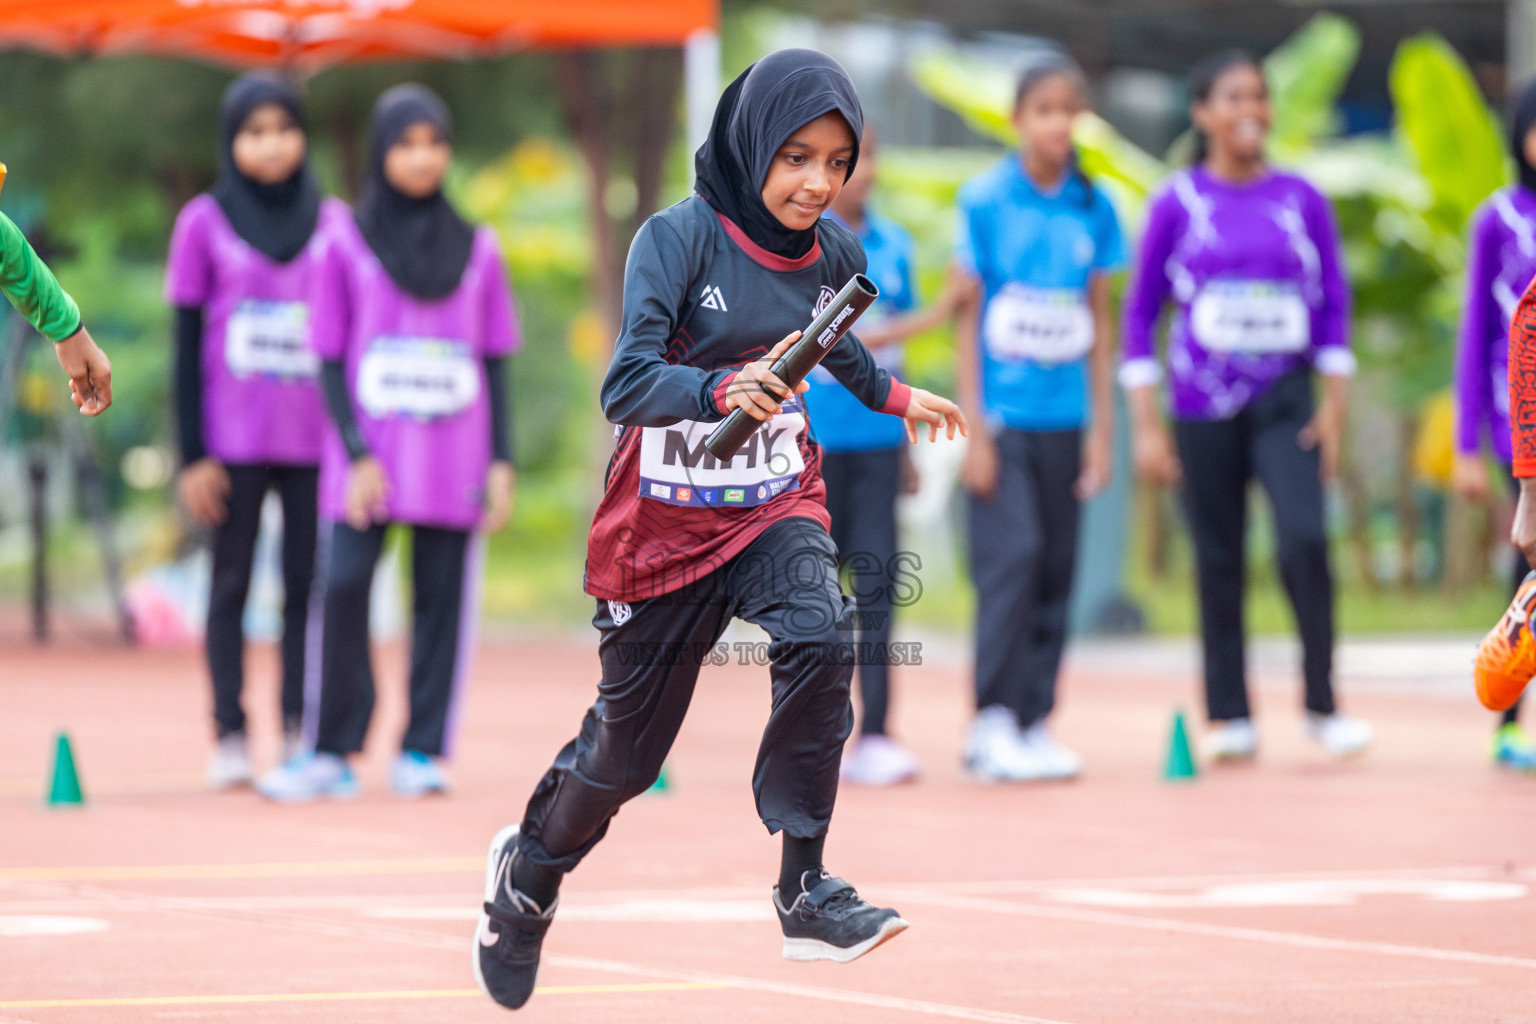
(1470, 478)
(367, 492)
(203, 488)
(1156, 461)
(979, 470)
(746, 392)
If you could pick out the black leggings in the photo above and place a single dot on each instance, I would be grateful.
(443, 619)
(1023, 551)
(1220, 459)
(861, 497)
(651, 652)
(234, 550)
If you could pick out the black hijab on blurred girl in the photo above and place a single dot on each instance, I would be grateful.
(1520, 125)
(757, 114)
(276, 219)
(423, 243)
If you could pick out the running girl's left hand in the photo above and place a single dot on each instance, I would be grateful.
(927, 407)
(1098, 463)
(500, 482)
(1324, 432)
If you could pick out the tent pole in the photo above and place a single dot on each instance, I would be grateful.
(701, 82)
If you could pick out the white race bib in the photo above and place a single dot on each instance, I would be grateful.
(676, 468)
(1250, 317)
(423, 378)
(1046, 325)
(270, 339)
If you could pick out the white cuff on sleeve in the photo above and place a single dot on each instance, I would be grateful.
(1334, 361)
(1140, 373)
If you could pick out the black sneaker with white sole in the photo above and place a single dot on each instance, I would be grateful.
(511, 929)
(829, 920)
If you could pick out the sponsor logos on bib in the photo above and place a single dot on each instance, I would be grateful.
(676, 468)
(1250, 317)
(270, 339)
(423, 378)
(1045, 325)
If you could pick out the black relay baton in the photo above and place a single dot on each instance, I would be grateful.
(815, 342)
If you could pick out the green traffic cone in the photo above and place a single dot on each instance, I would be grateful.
(64, 788)
(1180, 766)
(660, 785)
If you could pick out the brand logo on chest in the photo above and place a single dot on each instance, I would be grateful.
(823, 300)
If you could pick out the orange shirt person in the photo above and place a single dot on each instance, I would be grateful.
(1506, 659)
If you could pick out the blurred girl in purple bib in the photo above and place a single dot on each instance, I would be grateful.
(1250, 257)
(413, 324)
(248, 401)
(1501, 261)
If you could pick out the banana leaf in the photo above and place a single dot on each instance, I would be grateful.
(1443, 121)
(1306, 74)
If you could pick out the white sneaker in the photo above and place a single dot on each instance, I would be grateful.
(1232, 740)
(415, 775)
(1061, 762)
(996, 752)
(878, 761)
(309, 776)
(230, 763)
(1340, 735)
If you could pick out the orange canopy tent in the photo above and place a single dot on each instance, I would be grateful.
(308, 34)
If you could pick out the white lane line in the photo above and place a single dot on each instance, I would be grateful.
(380, 931)
(1220, 931)
(1033, 885)
(779, 988)
(1335, 892)
(29, 925)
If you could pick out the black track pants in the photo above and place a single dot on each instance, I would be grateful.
(234, 550)
(861, 497)
(651, 652)
(1023, 551)
(1220, 458)
(440, 641)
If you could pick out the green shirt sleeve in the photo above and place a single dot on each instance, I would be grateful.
(31, 287)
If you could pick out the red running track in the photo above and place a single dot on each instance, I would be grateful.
(1397, 888)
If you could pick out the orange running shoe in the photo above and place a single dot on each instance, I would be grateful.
(1506, 659)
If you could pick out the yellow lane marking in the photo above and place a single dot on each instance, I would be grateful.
(297, 869)
(342, 997)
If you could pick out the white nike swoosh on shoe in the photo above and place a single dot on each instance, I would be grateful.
(487, 934)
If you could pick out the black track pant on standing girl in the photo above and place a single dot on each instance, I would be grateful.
(1221, 458)
(861, 498)
(1023, 550)
(651, 653)
(439, 643)
(234, 551)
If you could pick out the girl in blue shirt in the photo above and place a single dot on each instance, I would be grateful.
(1035, 362)
(865, 465)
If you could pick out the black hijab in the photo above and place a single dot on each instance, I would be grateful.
(767, 103)
(276, 219)
(423, 243)
(1520, 125)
